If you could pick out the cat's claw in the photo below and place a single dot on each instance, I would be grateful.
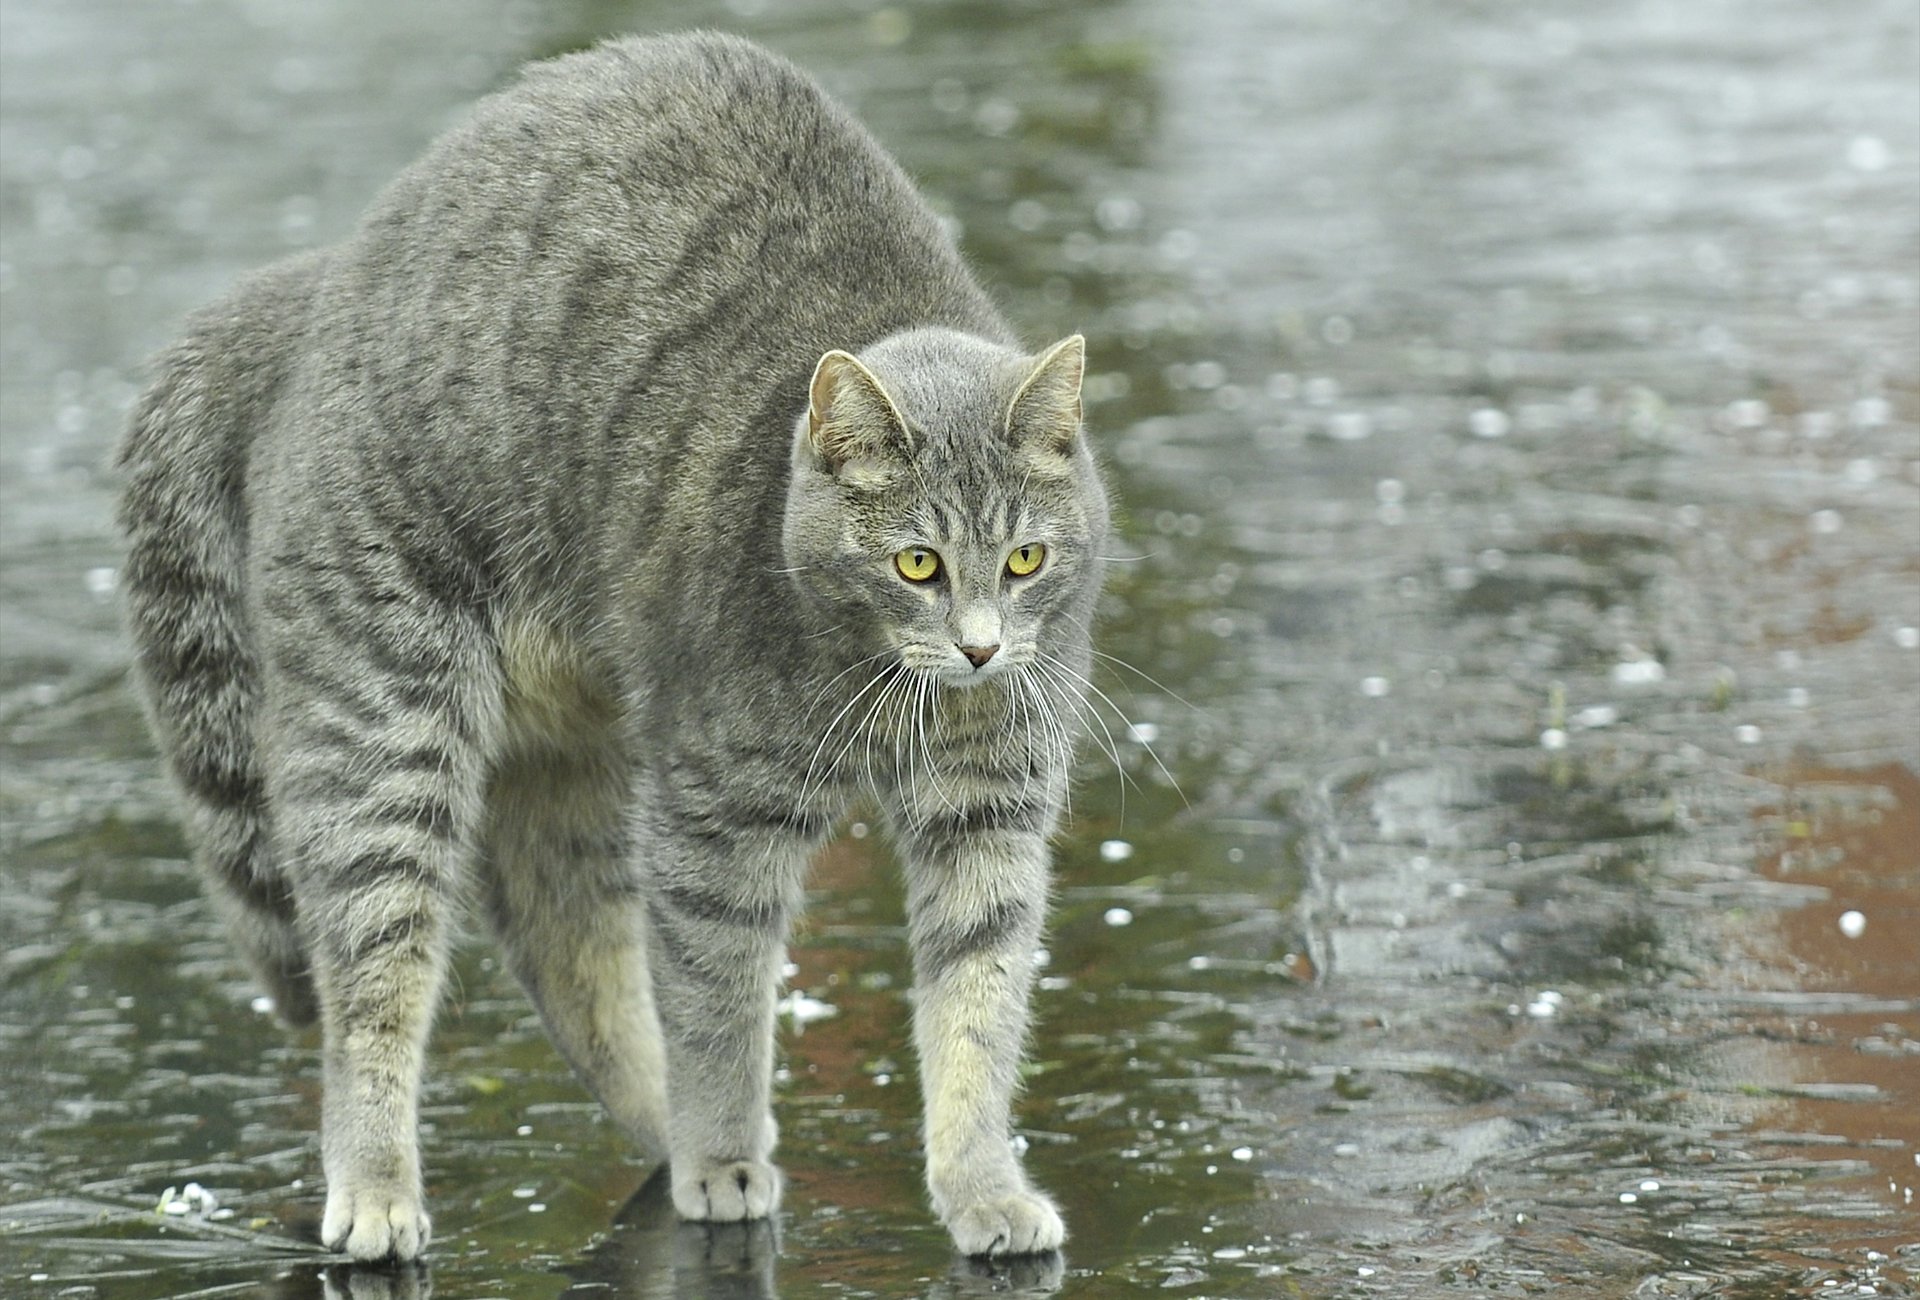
(1021, 1223)
(725, 1191)
(375, 1223)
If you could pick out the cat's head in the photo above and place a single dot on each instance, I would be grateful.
(943, 503)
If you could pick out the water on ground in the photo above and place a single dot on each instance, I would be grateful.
(1497, 871)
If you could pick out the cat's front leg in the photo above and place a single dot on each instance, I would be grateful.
(976, 898)
(721, 894)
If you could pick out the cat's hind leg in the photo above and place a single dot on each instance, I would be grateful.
(557, 880)
(380, 703)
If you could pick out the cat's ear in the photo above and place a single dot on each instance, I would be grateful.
(1045, 412)
(851, 421)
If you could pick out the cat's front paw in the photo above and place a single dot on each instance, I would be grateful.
(725, 1191)
(375, 1222)
(1017, 1223)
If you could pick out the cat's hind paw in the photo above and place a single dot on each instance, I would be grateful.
(725, 1191)
(1020, 1223)
(380, 1222)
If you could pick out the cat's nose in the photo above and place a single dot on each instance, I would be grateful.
(977, 655)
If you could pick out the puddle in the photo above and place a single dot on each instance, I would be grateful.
(1518, 422)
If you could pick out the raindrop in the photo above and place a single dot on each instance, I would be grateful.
(76, 162)
(1867, 153)
(1650, 1184)
(1230, 1252)
(1489, 423)
(1639, 672)
(950, 96)
(1390, 491)
(1347, 1150)
(1242, 1153)
(1826, 521)
(102, 581)
(1596, 715)
(1027, 214)
(1798, 697)
(1117, 213)
(1349, 426)
(996, 117)
(1375, 687)
(1870, 412)
(526, 1193)
(1907, 638)
(1144, 733)
(525, 1130)
(1115, 850)
(1322, 391)
(1553, 738)
(1628, 1198)
(1337, 330)
(1117, 917)
(262, 1005)
(858, 830)
(1747, 734)
(1853, 924)
(538, 1207)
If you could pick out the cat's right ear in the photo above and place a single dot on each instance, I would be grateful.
(852, 424)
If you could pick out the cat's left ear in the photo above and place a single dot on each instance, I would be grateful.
(1045, 412)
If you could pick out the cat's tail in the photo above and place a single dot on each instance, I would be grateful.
(184, 514)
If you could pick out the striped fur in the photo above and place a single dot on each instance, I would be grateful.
(521, 552)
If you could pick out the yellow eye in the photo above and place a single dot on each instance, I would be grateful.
(917, 564)
(1026, 559)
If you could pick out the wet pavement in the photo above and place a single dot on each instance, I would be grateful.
(1496, 870)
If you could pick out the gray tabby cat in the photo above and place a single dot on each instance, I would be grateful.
(507, 552)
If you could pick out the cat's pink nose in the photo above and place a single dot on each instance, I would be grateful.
(979, 654)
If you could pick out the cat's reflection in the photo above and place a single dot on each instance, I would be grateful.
(650, 1254)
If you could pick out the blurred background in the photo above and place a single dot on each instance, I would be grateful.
(1497, 866)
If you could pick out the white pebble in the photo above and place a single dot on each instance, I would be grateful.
(1118, 916)
(1853, 924)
